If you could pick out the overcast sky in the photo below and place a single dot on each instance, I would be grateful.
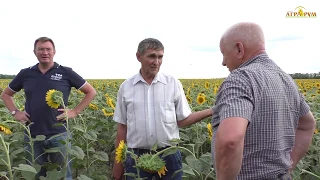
(99, 39)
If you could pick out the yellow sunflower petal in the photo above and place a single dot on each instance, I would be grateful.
(49, 99)
(5, 130)
(162, 171)
(120, 152)
(106, 113)
(201, 98)
(209, 126)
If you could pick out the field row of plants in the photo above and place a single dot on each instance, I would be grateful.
(93, 134)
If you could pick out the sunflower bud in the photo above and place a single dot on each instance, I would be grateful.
(152, 163)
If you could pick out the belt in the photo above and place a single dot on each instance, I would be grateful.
(143, 151)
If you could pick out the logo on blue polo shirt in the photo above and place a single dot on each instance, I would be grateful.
(56, 77)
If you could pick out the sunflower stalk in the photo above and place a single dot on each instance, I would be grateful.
(209, 174)
(87, 151)
(31, 141)
(133, 156)
(172, 147)
(6, 150)
(67, 129)
(54, 99)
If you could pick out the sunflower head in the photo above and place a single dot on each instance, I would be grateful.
(121, 152)
(110, 103)
(207, 85)
(215, 90)
(189, 99)
(107, 113)
(152, 163)
(5, 129)
(93, 106)
(188, 91)
(201, 98)
(209, 127)
(316, 131)
(54, 98)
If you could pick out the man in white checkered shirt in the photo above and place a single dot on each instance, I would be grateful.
(262, 124)
(151, 106)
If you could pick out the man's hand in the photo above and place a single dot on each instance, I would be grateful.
(67, 113)
(303, 138)
(22, 116)
(118, 171)
(195, 117)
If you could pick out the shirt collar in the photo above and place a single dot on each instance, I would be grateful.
(253, 59)
(35, 67)
(158, 78)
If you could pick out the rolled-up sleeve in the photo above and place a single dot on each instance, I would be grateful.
(181, 104)
(75, 79)
(304, 107)
(16, 84)
(233, 100)
(120, 113)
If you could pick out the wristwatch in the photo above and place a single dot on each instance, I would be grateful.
(14, 112)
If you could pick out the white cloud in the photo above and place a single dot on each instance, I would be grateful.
(98, 39)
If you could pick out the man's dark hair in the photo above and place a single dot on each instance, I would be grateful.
(149, 43)
(44, 39)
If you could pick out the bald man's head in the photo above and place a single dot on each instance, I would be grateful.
(240, 42)
(248, 33)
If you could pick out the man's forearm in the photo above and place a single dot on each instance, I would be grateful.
(8, 101)
(302, 141)
(118, 168)
(228, 160)
(195, 117)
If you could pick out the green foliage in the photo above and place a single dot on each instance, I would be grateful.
(93, 135)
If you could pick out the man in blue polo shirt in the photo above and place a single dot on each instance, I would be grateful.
(36, 81)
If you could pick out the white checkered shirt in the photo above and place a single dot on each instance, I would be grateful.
(151, 111)
(268, 98)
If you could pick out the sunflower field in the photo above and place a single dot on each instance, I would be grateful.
(93, 134)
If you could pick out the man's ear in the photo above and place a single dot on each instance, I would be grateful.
(138, 55)
(240, 50)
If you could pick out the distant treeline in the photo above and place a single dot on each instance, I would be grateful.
(6, 76)
(294, 76)
(305, 75)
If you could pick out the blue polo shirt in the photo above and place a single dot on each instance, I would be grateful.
(36, 85)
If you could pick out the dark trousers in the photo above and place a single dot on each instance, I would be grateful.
(42, 158)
